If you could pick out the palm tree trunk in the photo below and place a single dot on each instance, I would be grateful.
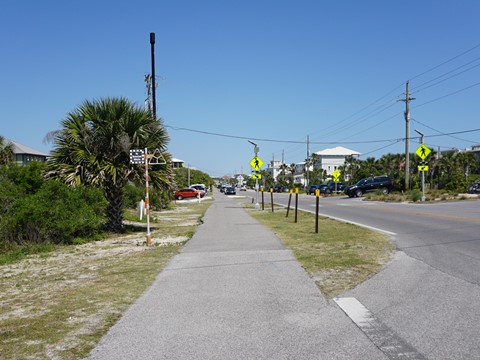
(114, 196)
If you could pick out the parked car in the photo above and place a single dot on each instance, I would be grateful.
(243, 188)
(475, 188)
(280, 188)
(324, 189)
(335, 186)
(311, 189)
(200, 187)
(230, 190)
(188, 193)
(383, 183)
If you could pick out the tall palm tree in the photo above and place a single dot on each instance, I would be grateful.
(93, 148)
(6, 151)
(283, 169)
(292, 168)
(306, 168)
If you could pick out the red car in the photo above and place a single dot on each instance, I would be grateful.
(188, 193)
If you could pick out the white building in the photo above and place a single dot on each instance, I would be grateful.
(331, 159)
(177, 163)
(22, 154)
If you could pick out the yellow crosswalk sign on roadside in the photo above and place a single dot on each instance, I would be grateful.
(256, 163)
(423, 151)
(422, 167)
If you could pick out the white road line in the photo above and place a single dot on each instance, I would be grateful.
(361, 225)
(389, 342)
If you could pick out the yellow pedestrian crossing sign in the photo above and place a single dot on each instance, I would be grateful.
(336, 175)
(422, 167)
(423, 151)
(256, 163)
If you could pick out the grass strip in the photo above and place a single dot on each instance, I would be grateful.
(339, 257)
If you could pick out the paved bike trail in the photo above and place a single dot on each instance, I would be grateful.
(234, 292)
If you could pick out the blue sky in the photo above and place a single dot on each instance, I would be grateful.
(271, 71)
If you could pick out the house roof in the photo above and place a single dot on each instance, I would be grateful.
(22, 149)
(337, 151)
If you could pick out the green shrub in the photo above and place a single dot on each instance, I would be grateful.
(132, 194)
(9, 194)
(415, 195)
(29, 179)
(56, 213)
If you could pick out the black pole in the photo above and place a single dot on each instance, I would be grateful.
(263, 200)
(317, 193)
(289, 201)
(271, 197)
(154, 100)
(296, 204)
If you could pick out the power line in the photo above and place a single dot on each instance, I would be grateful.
(419, 87)
(447, 95)
(446, 62)
(441, 132)
(314, 142)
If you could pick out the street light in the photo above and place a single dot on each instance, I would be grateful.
(423, 172)
(256, 149)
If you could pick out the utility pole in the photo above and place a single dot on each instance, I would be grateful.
(407, 137)
(154, 101)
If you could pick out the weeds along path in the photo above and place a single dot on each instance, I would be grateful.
(59, 304)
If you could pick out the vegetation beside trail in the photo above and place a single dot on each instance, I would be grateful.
(58, 304)
(339, 257)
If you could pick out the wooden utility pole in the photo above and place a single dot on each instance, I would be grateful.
(407, 138)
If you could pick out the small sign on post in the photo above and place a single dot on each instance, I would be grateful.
(137, 156)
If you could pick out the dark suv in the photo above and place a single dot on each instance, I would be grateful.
(335, 186)
(363, 186)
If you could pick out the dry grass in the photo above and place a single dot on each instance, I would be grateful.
(339, 257)
(58, 305)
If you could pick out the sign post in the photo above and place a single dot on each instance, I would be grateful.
(256, 163)
(422, 153)
(336, 178)
(141, 156)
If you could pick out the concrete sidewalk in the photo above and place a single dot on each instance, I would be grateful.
(234, 292)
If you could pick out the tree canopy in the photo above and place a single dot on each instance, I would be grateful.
(93, 148)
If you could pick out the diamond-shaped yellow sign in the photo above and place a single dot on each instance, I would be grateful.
(256, 163)
(336, 175)
(423, 151)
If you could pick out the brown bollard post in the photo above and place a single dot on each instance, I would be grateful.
(263, 201)
(289, 201)
(317, 194)
(296, 205)
(271, 197)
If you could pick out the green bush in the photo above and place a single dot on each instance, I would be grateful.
(132, 194)
(27, 178)
(415, 195)
(56, 213)
(9, 194)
